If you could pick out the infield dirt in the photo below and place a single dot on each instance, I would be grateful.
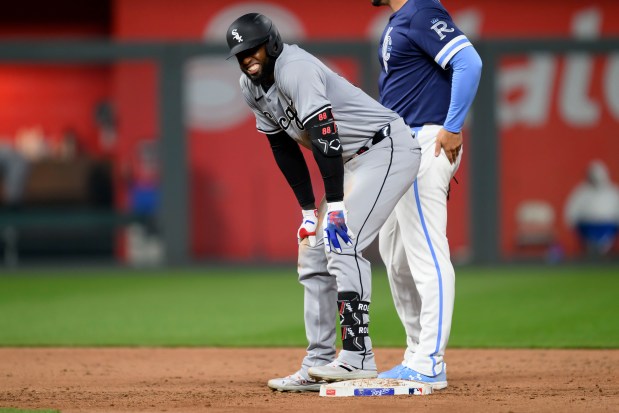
(231, 380)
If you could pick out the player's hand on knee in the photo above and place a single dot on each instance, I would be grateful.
(450, 142)
(336, 228)
(307, 230)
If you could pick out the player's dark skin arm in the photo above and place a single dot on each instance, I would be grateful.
(291, 162)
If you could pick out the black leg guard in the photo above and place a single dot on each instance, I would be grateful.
(353, 313)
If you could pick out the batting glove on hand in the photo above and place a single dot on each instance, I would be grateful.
(308, 227)
(334, 226)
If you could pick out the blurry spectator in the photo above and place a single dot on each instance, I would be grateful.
(13, 171)
(31, 143)
(144, 242)
(592, 209)
(68, 146)
(144, 182)
(105, 117)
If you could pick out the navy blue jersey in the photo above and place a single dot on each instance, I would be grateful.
(414, 53)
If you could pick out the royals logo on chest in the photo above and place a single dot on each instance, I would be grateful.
(386, 48)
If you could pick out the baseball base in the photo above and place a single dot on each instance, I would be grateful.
(375, 387)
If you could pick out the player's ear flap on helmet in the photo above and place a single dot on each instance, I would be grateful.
(275, 46)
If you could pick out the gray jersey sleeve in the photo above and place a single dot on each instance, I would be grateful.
(305, 84)
(264, 124)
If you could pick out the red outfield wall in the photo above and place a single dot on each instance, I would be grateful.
(548, 106)
(556, 113)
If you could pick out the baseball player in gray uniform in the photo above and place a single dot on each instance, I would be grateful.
(367, 157)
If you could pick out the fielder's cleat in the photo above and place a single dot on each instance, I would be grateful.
(402, 372)
(340, 371)
(394, 373)
(295, 383)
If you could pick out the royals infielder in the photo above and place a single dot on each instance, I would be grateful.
(430, 73)
(368, 159)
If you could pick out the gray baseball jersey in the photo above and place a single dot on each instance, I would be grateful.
(303, 87)
(374, 181)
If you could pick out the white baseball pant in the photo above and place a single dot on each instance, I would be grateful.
(420, 272)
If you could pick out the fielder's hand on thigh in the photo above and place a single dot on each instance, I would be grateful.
(308, 227)
(335, 227)
(451, 144)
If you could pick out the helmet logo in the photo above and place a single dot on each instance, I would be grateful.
(237, 36)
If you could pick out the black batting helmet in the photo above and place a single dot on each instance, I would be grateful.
(251, 30)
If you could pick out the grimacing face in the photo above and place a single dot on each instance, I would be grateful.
(256, 63)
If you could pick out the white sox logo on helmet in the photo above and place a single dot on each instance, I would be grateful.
(237, 36)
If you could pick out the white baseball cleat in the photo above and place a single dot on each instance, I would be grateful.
(295, 383)
(339, 371)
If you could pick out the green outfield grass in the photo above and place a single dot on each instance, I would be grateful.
(570, 307)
